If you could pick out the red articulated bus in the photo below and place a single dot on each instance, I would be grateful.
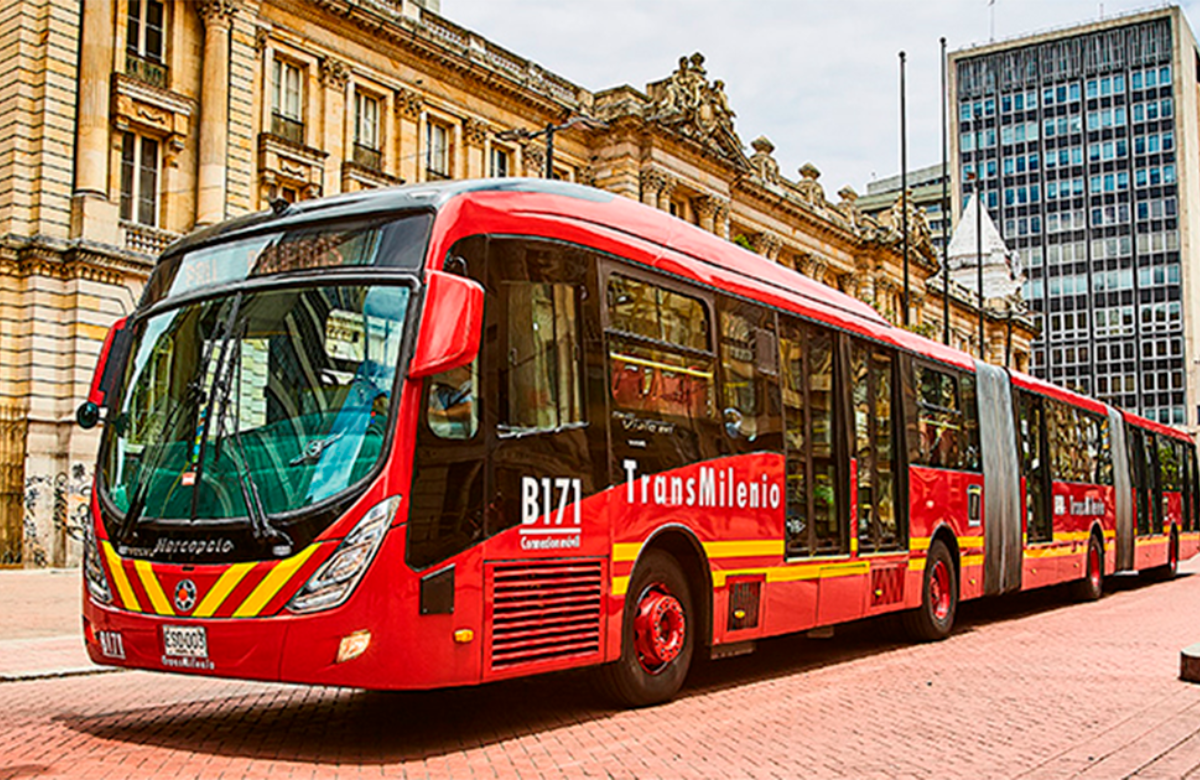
(449, 434)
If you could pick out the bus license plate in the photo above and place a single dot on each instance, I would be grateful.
(185, 641)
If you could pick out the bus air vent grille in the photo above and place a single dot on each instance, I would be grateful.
(545, 611)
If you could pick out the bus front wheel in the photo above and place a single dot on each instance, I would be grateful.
(934, 619)
(658, 635)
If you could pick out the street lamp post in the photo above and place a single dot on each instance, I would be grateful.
(979, 228)
(522, 134)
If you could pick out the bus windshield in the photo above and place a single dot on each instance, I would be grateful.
(253, 404)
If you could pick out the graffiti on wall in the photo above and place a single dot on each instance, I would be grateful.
(56, 514)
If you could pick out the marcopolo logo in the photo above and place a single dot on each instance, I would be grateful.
(185, 595)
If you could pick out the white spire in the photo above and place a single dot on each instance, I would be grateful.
(962, 244)
(1000, 278)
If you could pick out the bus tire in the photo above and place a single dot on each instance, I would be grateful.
(1091, 587)
(934, 619)
(658, 635)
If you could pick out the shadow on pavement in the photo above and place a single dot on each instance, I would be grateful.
(326, 725)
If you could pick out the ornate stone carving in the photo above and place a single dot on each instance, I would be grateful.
(705, 207)
(586, 175)
(217, 12)
(848, 206)
(533, 157)
(409, 104)
(810, 191)
(262, 37)
(475, 131)
(687, 103)
(763, 163)
(767, 244)
(653, 180)
(918, 228)
(334, 73)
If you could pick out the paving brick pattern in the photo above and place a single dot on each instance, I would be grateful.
(1032, 686)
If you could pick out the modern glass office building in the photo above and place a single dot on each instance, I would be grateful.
(1083, 141)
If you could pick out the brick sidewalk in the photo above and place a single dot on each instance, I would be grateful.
(40, 634)
(1032, 686)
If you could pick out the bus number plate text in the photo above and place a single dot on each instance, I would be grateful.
(185, 641)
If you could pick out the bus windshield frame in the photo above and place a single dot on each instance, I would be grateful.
(314, 353)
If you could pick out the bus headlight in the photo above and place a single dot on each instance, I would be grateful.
(337, 578)
(93, 570)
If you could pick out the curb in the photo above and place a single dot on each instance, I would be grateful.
(48, 674)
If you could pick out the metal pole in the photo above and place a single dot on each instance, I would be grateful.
(904, 185)
(550, 151)
(945, 211)
(979, 229)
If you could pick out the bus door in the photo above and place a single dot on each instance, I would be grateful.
(815, 519)
(544, 568)
(1035, 462)
(661, 361)
(1141, 478)
(1154, 483)
(880, 518)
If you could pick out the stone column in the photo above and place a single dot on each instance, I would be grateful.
(477, 137)
(652, 183)
(706, 209)
(92, 215)
(664, 194)
(408, 116)
(334, 78)
(214, 110)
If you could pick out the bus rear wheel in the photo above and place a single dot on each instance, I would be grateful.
(1091, 587)
(934, 619)
(658, 635)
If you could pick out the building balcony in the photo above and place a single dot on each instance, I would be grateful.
(145, 239)
(146, 70)
(366, 157)
(287, 128)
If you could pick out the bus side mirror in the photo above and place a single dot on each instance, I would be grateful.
(450, 324)
(110, 362)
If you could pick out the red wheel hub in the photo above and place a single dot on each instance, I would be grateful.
(1094, 566)
(659, 630)
(939, 590)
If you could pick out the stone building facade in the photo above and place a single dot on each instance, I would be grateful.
(130, 122)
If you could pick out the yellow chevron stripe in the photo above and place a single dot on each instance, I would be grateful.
(972, 560)
(970, 541)
(747, 549)
(916, 564)
(153, 589)
(124, 589)
(1151, 542)
(271, 584)
(223, 587)
(620, 585)
(919, 543)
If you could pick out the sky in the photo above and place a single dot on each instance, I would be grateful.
(819, 78)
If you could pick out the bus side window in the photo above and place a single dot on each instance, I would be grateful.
(750, 377)
(452, 412)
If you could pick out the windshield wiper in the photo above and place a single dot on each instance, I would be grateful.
(193, 396)
(259, 522)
